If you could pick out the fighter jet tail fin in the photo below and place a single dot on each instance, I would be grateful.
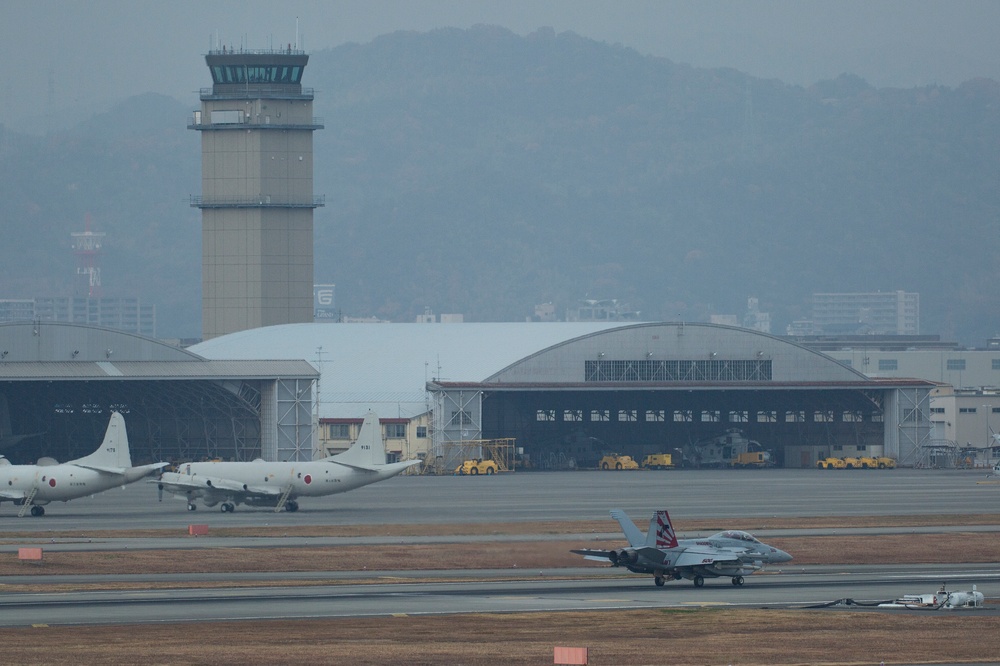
(369, 450)
(661, 531)
(636, 539)
(113, 454)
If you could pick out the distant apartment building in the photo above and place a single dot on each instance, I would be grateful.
(609, 309)
(17, 309)
(873, 313)
(753, 319)
(544, 312)
(428, 317)
(124, 314)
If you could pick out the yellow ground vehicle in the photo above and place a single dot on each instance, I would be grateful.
(475, 467)
(658, 461)
(616, 461)
(867, 462)
(882, 462)
(751, 459)
(852, 463)
(831, 463)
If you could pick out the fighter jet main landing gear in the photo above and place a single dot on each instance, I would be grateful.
(228, 507)
(37, 510)
(659, 581)
(192, 506)
(698, 581)
(737, 580)
(291, 506)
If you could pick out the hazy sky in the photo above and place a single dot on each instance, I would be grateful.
(85, 55)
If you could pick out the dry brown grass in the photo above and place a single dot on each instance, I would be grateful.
(526, 555)
(696, 636)
(528, 527)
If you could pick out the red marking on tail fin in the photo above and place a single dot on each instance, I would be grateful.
(665, 536)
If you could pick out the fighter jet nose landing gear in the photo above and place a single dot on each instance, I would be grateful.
(192, 506)
(737, 580)
(228, 507)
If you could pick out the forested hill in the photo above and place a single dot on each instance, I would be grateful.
(480, 172)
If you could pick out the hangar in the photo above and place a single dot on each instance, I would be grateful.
(572, 391)
(60, 381)
(650, 388)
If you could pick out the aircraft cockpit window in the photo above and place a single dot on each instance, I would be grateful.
(741, 536)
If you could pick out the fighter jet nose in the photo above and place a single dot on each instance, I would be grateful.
(782, 556)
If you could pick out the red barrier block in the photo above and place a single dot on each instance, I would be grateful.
(29, 554)
(571, 655)
(197, 530)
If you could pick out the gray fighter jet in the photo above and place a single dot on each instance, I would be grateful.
(731, 553)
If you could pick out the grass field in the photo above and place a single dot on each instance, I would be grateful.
(695, 636)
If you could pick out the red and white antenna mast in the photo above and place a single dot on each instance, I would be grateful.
(87, 248)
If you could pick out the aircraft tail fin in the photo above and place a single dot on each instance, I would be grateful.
(661, 531)
(369, 449)
(113, 452)
(636, 539)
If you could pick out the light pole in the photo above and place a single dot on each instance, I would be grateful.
(988, 409)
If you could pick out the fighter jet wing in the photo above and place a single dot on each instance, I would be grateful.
(595, 555)
(693, 557)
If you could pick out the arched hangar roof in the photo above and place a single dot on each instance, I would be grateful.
(677, 352)
(51, 351)
(385, 367)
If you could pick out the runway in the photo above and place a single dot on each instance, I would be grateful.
(534, 496)
(723, 494)
(586, 590)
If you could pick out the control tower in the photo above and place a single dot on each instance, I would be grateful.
(257, 199)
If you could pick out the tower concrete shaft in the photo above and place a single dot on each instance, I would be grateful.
(257, 199)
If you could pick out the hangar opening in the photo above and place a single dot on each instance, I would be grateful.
(59, 383)
(667, 388)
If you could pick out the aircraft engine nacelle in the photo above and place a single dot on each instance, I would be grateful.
(624, 557)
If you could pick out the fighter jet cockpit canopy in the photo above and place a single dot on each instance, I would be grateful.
(736, 534)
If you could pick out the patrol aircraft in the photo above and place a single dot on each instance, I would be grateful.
(110, 466)
(280, 484)
(731, 553)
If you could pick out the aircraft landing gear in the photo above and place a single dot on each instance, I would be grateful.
(228, 507)
(291, 506)
(659, 581)
(698, 581)
(192, 506)
(37, 510)
(737, 580)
